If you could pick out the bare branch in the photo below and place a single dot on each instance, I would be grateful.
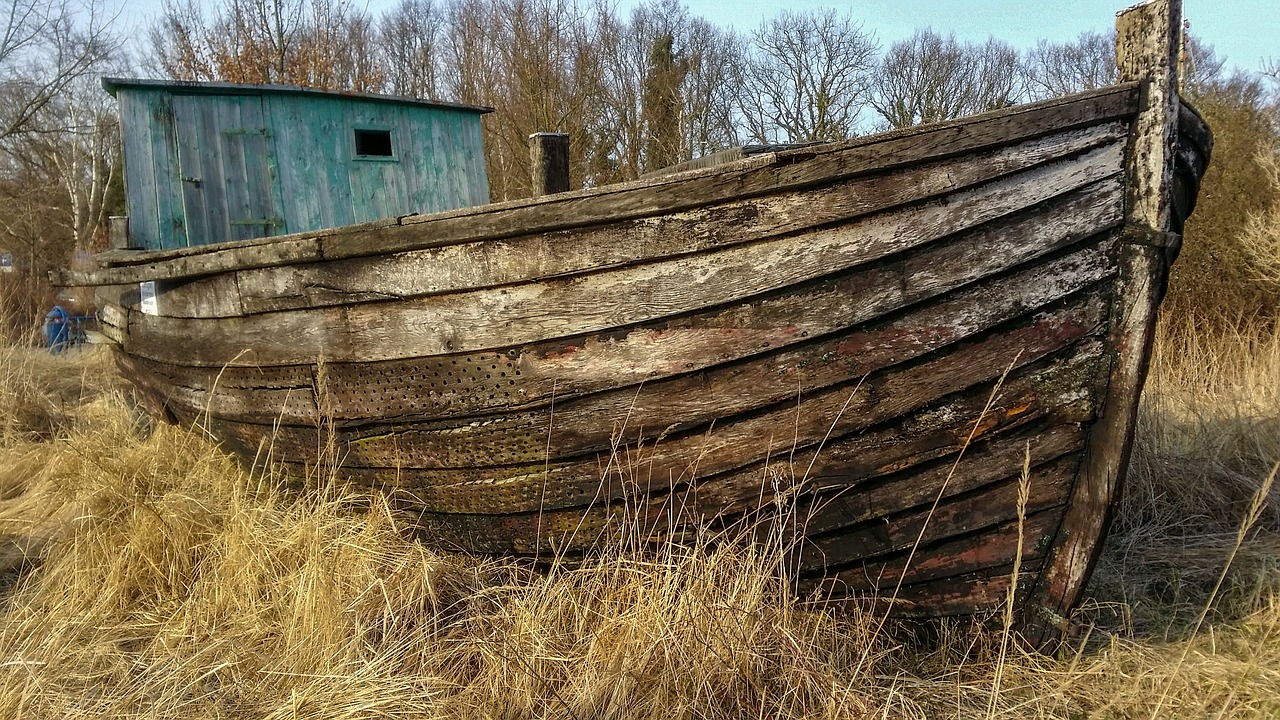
(931, 78)
(1087, 63)
(315, 43)
(411, 34)
(808, 78)
(45, 46)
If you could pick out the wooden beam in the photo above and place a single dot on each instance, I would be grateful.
(118, 233)
(549, 158)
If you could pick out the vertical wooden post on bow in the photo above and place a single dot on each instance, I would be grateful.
(549, 157)
(1147, 45)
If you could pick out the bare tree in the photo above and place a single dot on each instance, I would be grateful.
(536, 62)
(340, 49)
(29, 198)
(667, 89)
(411, 34)
(625, 49)
(314, 43)
(58, 147)
(1200, 67)
(1086, 63)
(180, 42)
(59, 187)
(808, 77)
(83, 155)
(468, 70)
(997, 79)
(710, 91)
(46, 46)
(930, 78)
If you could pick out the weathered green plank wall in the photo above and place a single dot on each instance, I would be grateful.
(153, 190)
(205, 167)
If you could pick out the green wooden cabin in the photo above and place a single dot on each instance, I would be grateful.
(213, 162)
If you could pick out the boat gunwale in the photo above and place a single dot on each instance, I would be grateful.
(259, 290)
(150, 335)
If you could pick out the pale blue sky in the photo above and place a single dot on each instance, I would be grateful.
(1245, 32)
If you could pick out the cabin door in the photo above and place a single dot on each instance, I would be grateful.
(227, 167)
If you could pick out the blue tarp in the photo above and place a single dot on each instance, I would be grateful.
(63, 330)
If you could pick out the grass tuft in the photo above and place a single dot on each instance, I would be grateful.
(146, 574)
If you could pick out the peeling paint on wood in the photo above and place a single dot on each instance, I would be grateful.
(820, 343)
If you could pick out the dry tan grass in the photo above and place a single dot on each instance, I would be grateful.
(1260, 241)
(150, 576)
(1209, 434)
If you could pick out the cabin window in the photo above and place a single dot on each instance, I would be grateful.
(373, 143)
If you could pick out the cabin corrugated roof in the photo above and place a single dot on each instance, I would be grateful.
(224, 88)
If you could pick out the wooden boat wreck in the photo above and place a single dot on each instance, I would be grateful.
(873, 335)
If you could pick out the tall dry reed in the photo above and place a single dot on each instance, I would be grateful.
(148, 575)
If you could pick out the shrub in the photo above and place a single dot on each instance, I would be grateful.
(1218, 281)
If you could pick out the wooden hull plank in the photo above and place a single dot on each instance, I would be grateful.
(917, 441)
(980, 593)
(990, 548)
(503, 317)
(837, 503)
(965, 514)
(602, 421)
(481, 264)
(266, 395)
(358, 393)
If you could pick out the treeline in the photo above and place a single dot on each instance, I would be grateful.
(59, 147)
(636, 91)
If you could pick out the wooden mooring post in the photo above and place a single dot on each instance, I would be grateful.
(118, 232)
(549, 158)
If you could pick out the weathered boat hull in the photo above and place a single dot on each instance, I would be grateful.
(868, 343)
